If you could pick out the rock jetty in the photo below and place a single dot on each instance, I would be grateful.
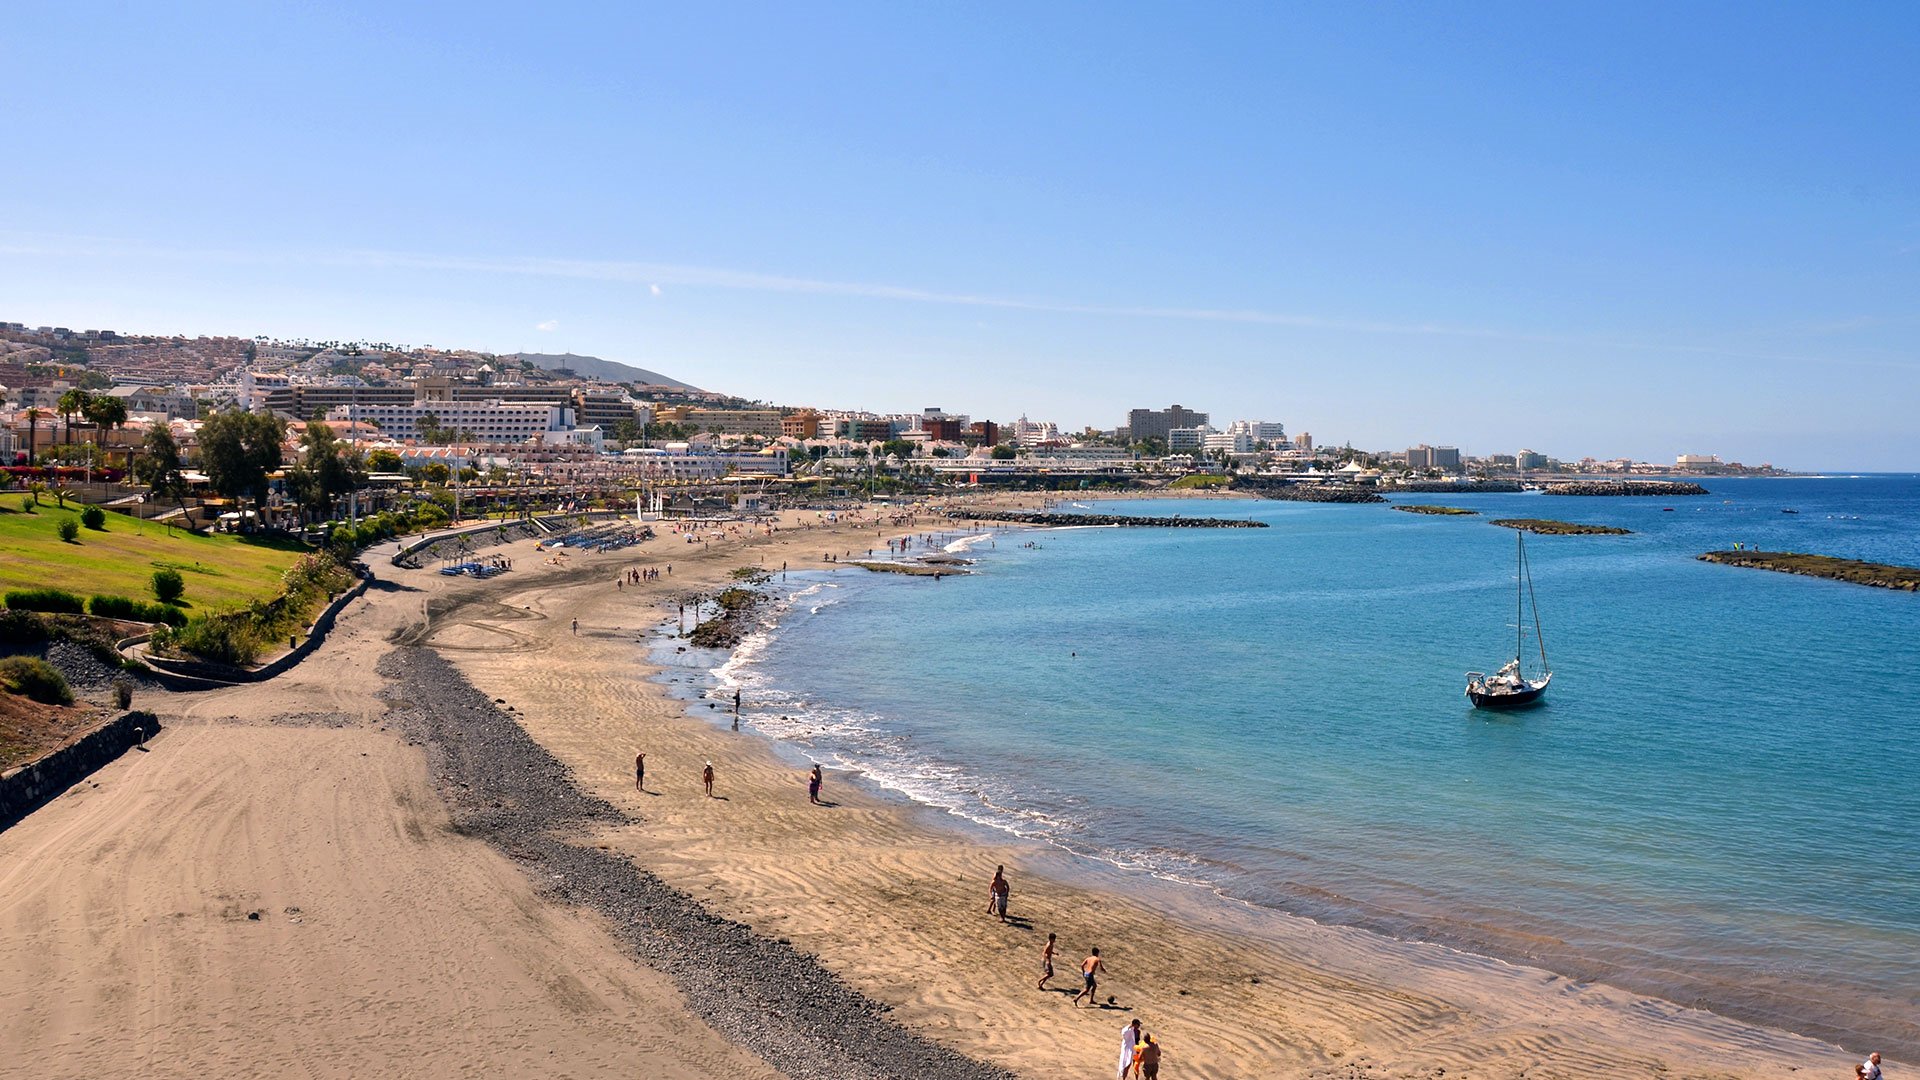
(1626, 487)
(1477, 487)
(1030, 517)
(1288, 491)
(1878, 575)
(1545, 527)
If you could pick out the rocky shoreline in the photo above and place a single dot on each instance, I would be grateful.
(1877, 575)
(1034, 517)
(762, 993)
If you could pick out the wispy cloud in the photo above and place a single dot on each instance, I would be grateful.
(547, 325)
(652, 275)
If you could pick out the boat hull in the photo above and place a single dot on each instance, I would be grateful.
(1518, 699)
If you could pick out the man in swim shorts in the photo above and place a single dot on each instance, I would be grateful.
(1090, 969)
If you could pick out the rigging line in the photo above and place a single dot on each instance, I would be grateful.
(1532, 599)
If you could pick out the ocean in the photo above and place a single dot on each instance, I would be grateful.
(1718, 805)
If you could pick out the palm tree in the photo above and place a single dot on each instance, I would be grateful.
(73, 401)
(108, 413)
(34, 416)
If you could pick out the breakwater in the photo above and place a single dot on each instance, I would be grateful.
(1476, 487)
(1545, 527)
(1625, 487)
(1442, 511)
(1287, 491)
(1171, 521)
(1878, 575)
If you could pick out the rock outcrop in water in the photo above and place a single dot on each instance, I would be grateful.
(1878, 575)
(1545, 527)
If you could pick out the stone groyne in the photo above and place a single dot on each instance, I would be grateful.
(1028, 517)
(1626, 487)
(38, 783)
(1287, 491)
(1477, 487)
(1878, 575)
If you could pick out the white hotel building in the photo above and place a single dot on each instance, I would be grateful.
(488, 421)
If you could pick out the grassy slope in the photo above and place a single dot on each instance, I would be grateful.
(221, 571)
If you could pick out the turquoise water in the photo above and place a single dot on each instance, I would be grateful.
(1717, 805)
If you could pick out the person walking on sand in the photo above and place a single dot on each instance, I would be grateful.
(1046, 963)
(736, 702)
(1870, 1069)
(993, 888)
(576, 626)
(706, 778)
(1149, 1054)
(1129, 1038)
(640, 772)
(1090, 971)
(813, 786)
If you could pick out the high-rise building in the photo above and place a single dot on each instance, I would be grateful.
(1145, 424)
(1530, 459)
(1420, 457)
(1446, 457)
(1303, 442)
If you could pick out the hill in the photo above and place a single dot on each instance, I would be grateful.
(593, 367)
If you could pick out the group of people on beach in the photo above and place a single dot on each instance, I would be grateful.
(1138, 1050)
(639, 574)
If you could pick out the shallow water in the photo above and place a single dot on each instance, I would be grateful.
(1717, 805)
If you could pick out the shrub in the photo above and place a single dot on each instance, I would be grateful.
(168, 585)
(94, 518)
(26, 503)
(45, 600)
(121, 607)
(34, 679)
(122, 694)
(69, 530)
(21, 628)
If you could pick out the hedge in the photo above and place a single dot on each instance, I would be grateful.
(122, 607)
(58, 600)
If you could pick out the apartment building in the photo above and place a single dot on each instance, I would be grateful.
(488, 421)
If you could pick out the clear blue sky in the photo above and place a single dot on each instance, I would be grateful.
(1630, 229)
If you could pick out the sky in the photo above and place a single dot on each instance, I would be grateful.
(1606, 229)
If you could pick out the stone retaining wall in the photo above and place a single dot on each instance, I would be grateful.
(38, 783)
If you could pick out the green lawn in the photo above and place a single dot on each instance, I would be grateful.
(221, 571)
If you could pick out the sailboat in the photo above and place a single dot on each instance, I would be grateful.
(1510, 688)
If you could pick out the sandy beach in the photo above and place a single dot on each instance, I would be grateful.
(391, 943)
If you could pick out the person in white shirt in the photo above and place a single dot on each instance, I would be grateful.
(1871, 1070)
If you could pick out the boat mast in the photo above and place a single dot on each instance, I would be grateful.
(1519, 625)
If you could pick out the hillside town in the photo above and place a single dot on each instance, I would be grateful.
(85, 406)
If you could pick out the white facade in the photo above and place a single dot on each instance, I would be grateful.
(1188, 439)
(488, 421)
(1235, 441)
